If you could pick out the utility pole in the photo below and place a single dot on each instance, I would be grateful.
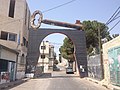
(43, 55)
(100, 51)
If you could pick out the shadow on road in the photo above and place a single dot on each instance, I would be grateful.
(49, 75)
(65, 76)
(7, 86)
(46, 75)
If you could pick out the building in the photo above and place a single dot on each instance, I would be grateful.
(14, 25)
(46, 57)
(52, 56)
(8, 60)
(111, 61)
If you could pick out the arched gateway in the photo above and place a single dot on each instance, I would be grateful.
(77, 36)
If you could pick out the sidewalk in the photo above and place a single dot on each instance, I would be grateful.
(14, 83)
(103, 83)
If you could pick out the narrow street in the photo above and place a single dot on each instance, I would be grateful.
(58, 80)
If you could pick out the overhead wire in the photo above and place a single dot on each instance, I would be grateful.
(58, 6)
(113, 16)
(43, 11)
(55, 43)
(114, 26)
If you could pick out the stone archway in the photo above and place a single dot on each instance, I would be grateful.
(77, 36)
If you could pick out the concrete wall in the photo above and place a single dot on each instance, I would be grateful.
(4, 7)
(113, 43)
(7, 55)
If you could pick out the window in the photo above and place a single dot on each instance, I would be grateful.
(25, 42)
(22, 59)
(8, 36)
(3, 65)
(4, 35)
(43, 47)
(43, 56)
(11, 8)
(12, 37)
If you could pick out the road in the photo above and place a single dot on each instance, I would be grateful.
(59, 80)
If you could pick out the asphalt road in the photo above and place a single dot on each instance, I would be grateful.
(58, 80)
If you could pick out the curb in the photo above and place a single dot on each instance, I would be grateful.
(12, 84)
(108, 86)
(97, 82)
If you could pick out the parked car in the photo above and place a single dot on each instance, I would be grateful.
(69, 70)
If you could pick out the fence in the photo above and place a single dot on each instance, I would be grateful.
(94, 67)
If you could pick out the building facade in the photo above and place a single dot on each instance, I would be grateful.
(111, 61)
(46, 57)
(8, 59)
(14, 25)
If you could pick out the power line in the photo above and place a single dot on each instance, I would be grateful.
(114, 26)
(59, 6)
(55, 43)
(113, 16)
(42, 12)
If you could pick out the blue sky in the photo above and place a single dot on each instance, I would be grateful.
(100, 10)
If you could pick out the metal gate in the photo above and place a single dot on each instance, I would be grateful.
(114, 65)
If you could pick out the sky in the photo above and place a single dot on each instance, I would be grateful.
(100, 10)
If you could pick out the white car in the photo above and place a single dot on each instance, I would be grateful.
(69, 70)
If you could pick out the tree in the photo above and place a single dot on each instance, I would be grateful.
(91, 30)
(67, 49)
(92, 39)
(55, 62)
(115, 35)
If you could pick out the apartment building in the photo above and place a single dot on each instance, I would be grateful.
(46, 57)
(14, 25)
(8, 59)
